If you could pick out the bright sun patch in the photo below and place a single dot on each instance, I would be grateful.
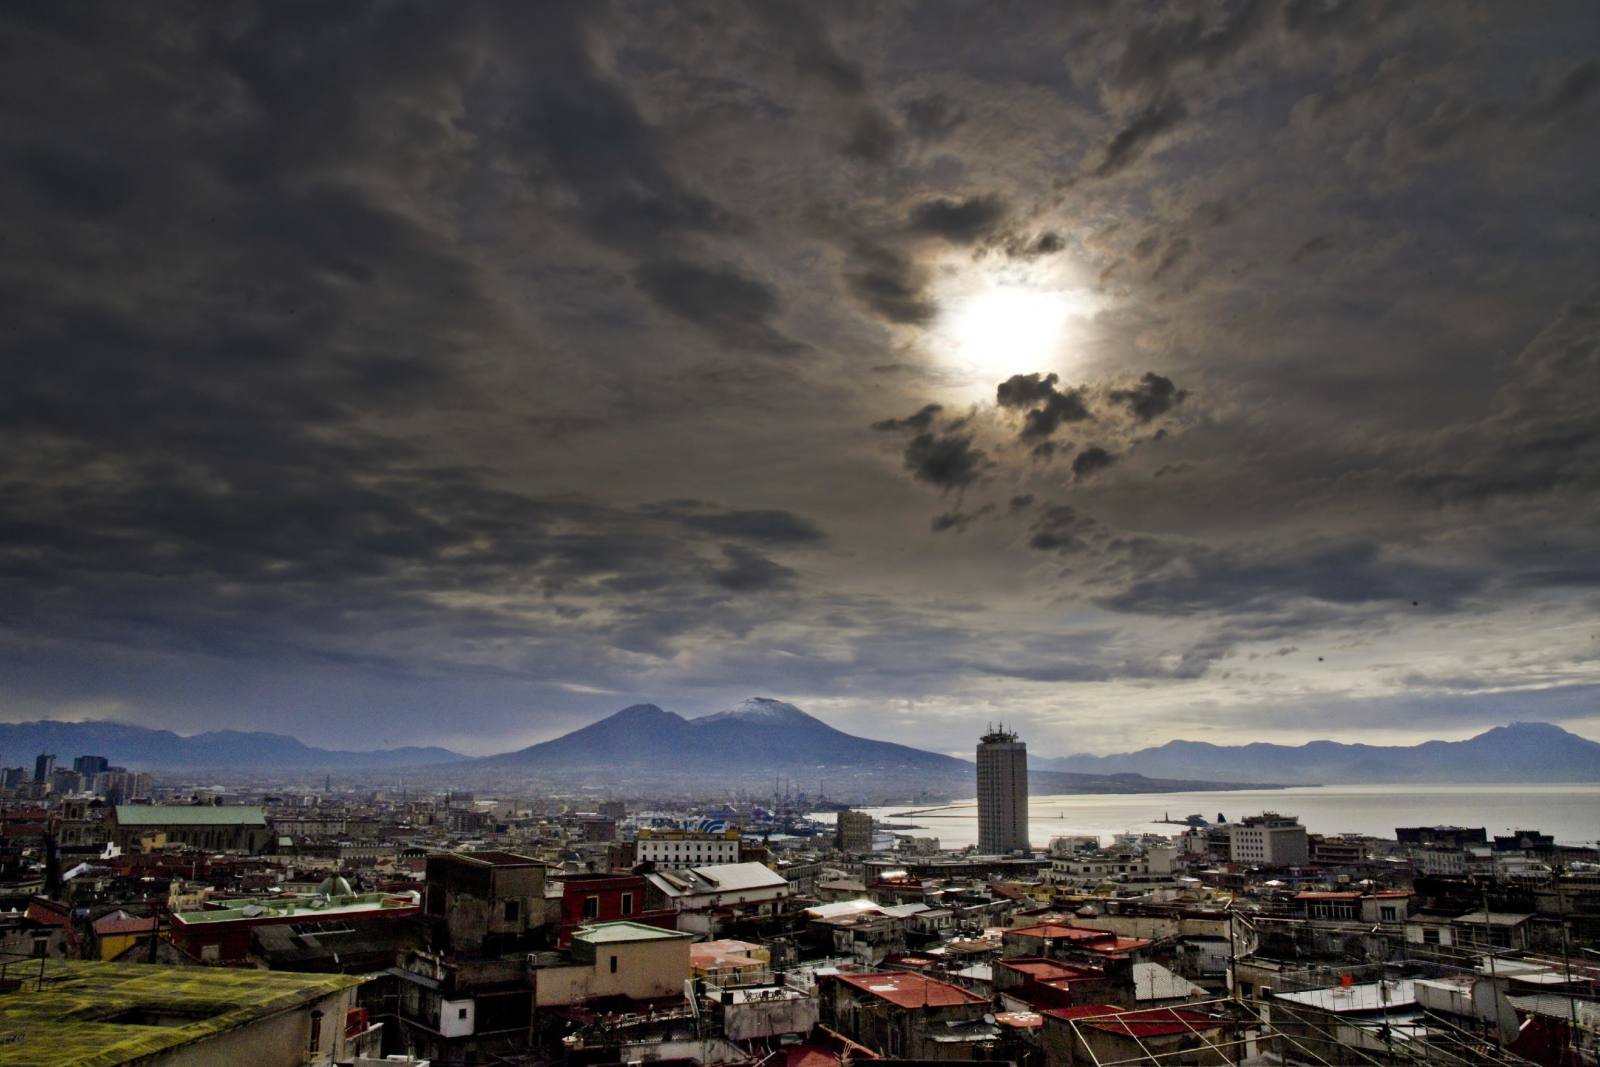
(996, 328)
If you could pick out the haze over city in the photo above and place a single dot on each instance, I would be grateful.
(395, 374)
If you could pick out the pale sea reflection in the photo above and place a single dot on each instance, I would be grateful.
(1569, 811)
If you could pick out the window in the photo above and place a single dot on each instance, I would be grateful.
(513, 910)
(591, 907)
(613, 965)
(210, 952)
(627, 903)
(461, 1013)
(1387, 913)
(1430, 935)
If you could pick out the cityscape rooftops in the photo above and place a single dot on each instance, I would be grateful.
(718, 878)
(907, 989)
(844, 909)
(1102, 941)
(1145, 1022)
(1042, 970)
(190, 815)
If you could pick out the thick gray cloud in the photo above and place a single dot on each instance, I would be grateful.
(1097, 363)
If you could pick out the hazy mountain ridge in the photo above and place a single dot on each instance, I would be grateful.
(141, 748)
(1520, 752)
(760, 738)
(759, 733)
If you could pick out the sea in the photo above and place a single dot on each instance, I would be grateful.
(1570, 812)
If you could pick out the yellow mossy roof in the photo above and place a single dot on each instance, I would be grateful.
(68, 1022)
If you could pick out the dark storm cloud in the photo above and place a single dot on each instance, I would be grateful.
(1131, 142)
(1055, 406)
(750, 572)
(211, 468)
(959, 221)
(1343, 575)
(1047, 244)
(891, 284)
(1544, 432)
(1025, 390)
(945, 456)
(872, 137)
(1318, 20)
(768, 526)
(1091, 460)
(869, 134)
(718, 299)
(945, 460)
(560, 115)
(1060, 528)
(1316, 245)
(1157, 50)
(1153, 396)
(919, 421)
(933, 118)
(959, 520)
(1572, 89)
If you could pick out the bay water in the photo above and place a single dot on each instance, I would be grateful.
(1571, 812)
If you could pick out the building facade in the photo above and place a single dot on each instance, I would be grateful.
(211, 827)
(1002, 793)
(1269, 840)
(853, 832)
(686, 848)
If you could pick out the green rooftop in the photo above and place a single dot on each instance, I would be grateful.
(91, 1014)
(190, 815)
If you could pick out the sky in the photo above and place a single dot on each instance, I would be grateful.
(394, 373)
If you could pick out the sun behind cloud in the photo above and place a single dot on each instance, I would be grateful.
(1001, 324)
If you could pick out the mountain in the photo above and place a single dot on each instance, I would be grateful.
(139, 748)
(760, 739)
(1521, 752)
(756, 735)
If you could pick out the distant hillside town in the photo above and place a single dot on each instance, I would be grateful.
(340, 923)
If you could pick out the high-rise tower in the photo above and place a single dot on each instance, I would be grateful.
(1002, 792)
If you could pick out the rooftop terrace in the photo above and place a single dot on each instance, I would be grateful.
(91, 1014)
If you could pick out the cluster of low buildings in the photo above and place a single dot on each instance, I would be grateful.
(207, 925)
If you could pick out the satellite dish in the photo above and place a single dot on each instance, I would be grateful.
(989, 1019)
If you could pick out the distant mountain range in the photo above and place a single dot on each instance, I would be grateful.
(760, 739)
(1521, 752)
(138, 748)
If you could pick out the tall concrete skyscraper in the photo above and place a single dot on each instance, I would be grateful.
(1002, 792)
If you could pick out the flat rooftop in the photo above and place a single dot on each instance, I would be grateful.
(617, 932)
(492, 858)
(341, 907)
(88, 1014)
(1368, 997)
(190, 815)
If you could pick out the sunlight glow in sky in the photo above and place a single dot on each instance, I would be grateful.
(1000, 326)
